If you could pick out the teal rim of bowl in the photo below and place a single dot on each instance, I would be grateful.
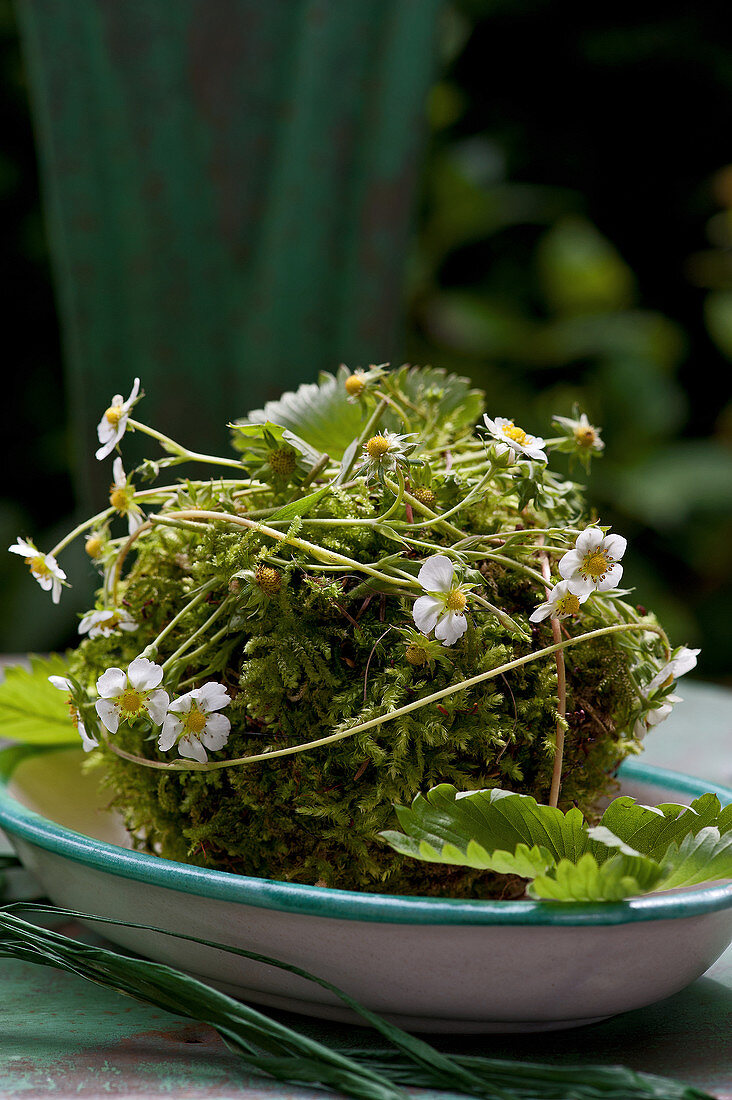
(315, 901)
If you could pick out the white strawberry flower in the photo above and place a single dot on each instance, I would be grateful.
(442, 609)
(113, 424)
(652, 717)
(593, 564)
(682, 661)
(193, 722)
(560, 604)
(101, 624)
(136, 693)
(62, 684)
(583, 433)
(44, 567)
(512, 438)
(122, 497)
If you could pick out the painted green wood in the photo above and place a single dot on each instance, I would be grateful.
(228, 187)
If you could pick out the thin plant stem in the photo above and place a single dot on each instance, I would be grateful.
(128, 544)
(396, 407)
(182, 452)
(100, 517)
(171, 661)
(556, 784)
(368, 428)
(152, 649)
(318, 552)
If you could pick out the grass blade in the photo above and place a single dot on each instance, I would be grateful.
(269, 1046)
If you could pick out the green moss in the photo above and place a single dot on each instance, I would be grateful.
(326, 650)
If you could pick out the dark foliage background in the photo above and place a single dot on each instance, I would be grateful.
(572, 244)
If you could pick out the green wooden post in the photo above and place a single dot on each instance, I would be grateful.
(228, 187)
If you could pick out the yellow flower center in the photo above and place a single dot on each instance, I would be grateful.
(595, 564)
(38, 565)
(518, 435)
(424, 495)
(377, 446)
(268, 579)
(585, 436)
(568, 605)
(131, 702)
(114, 414)
(118, 499)
(455, 600)
(195, 720)
(93, 546)
(415, 655)
(354, 384)
(282, 461)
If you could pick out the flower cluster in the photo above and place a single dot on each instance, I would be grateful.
(192, 722)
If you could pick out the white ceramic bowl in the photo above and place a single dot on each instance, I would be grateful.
(428, 964)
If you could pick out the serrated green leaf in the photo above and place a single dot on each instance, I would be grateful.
(650, 829)
(619, 877)
(524, 861)
(318, 412)
(496, 820)
(702, 857)
(32, 711)
(446, 403)
(440, 406)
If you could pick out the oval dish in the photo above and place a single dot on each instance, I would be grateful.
(429, 964)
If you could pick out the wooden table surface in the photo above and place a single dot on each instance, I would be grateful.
(63, 1037)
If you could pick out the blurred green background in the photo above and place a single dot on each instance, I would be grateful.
(571, 244)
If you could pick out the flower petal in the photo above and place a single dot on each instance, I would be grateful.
(426, 612)
(589, 539)
(436, 574)
(135, 520)
(216, 733)
(170, 732)
(611, 579)
(108, 714)
(26, 549)
(112, 683)
(144, 674)
(684, 661)
(157, 706)
(212, 696)
(87, 741)
(61, 683)
(616, 545)
(451, 627)
(183, 703)
(126, 405)
(118, 472)
(541, 612)
(192, 748)
(580, 587)
(569, 564)
(109, 444)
